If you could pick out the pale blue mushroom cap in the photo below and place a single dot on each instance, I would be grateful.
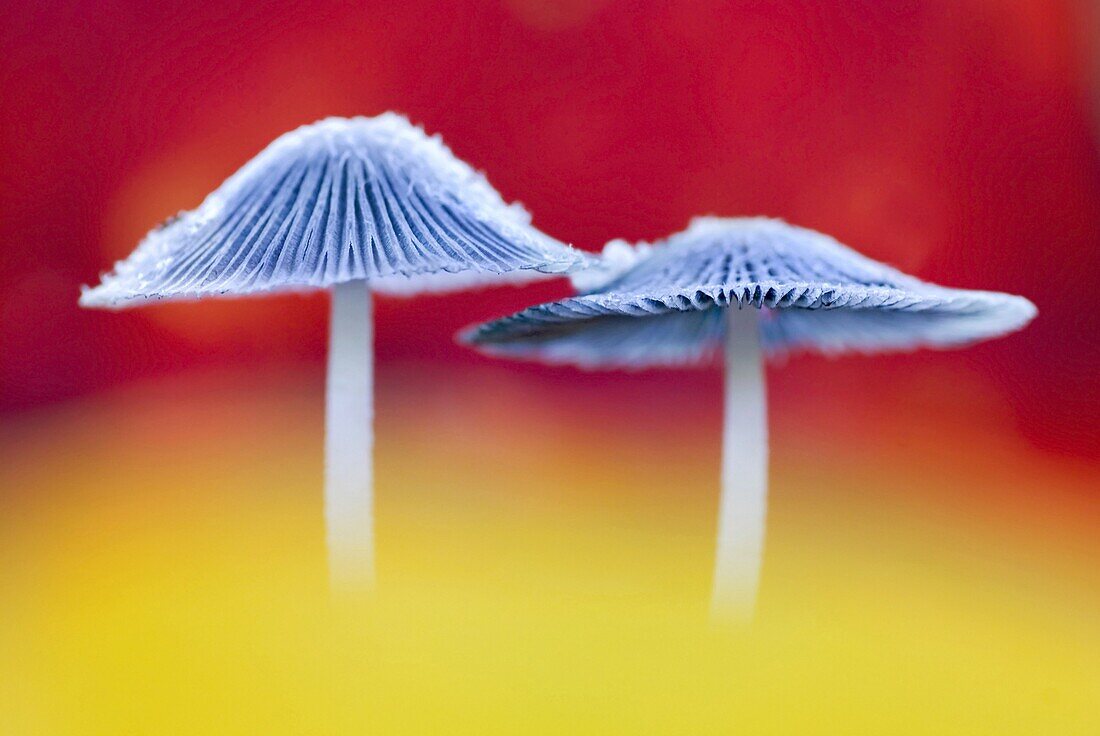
(663, 304)
(340, 200)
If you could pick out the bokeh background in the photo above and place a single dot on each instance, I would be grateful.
(545, 535)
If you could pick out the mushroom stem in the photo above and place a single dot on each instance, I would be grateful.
(349, 414)
(744, 500)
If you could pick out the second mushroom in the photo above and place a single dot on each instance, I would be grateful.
(733, 291)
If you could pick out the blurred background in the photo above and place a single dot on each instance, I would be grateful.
(545, 535)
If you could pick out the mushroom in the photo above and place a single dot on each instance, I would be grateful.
(356, 205)
(739, 289)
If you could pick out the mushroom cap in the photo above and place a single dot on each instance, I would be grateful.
(340, 200)
(664, 306)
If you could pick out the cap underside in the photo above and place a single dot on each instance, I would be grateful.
(814, 295)
(341, 200)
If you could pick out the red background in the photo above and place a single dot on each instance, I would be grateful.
(956, 140)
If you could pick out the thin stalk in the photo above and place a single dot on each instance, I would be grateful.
(349, 439)
(743, 505)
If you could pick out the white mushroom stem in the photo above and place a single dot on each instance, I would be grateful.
(744, 500)
(349, 414)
